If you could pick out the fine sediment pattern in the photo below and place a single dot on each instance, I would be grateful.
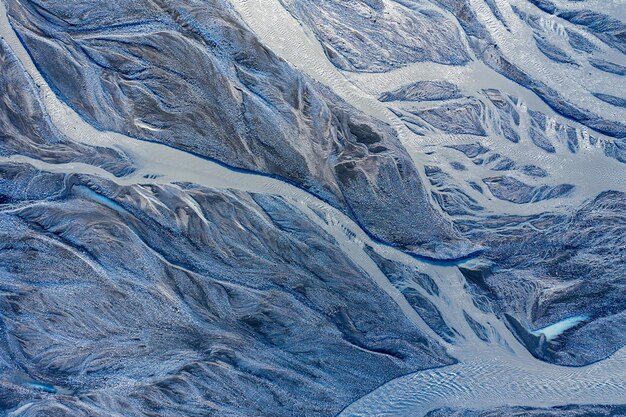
(281, 207)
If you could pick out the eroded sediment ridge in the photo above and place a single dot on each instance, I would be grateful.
(510, 375)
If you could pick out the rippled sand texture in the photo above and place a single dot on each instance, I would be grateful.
(316, 208)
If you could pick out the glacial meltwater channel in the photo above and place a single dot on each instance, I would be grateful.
(589, 169)
(488, 375)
